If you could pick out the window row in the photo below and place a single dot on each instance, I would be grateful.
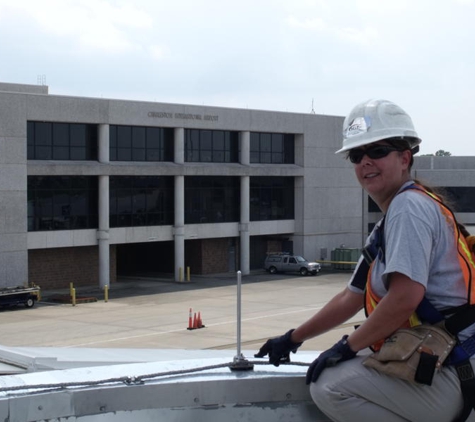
(141, 201)
(78, 141)
(62, 203)
(139, 143)
(71, 202)
(61, 141)
(212, 199)
(272, 148)
(211, 146)
(271, 198)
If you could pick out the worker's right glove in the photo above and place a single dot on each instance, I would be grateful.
(278, 349)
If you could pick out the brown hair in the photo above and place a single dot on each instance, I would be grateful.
(403, 144)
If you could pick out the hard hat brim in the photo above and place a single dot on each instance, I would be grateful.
(413, 142)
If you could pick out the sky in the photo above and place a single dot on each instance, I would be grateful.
(322, 56)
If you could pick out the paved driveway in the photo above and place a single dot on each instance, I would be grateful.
(153, 313)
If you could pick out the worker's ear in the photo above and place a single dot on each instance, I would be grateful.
(406, 156)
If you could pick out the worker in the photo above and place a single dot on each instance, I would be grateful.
(416, 268)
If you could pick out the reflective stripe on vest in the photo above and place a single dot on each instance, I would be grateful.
(465, 257)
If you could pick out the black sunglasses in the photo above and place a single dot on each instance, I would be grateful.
(378, 151)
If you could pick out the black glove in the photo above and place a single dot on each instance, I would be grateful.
(338, 353)
(278, 349)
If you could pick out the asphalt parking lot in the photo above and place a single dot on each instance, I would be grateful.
(154, 313)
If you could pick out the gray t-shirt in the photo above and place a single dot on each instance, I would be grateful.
(419, 243)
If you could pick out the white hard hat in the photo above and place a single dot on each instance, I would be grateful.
(375, 120)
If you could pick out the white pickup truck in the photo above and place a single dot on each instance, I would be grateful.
(284, 262)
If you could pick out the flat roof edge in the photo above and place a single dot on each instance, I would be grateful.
(23, 88)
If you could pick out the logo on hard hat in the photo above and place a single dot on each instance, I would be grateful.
(358, 126)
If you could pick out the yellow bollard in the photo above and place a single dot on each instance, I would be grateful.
(71, 287)
(106, 293)
(38, 293)
(179, 275)
(73, 296)
(187, 273)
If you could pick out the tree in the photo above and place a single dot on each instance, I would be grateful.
(442, 153)
(439, 153)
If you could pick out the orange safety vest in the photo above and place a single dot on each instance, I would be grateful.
(466, 257)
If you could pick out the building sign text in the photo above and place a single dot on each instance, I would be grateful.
(184, 116)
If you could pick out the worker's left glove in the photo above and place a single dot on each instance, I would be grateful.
(338, 353)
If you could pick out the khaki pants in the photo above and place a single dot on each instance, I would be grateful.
(352, 392)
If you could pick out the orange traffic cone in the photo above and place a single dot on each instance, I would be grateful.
(195, 321)
(200, 323)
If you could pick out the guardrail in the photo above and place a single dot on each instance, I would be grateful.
(338, 265)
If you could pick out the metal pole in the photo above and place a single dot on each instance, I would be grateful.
(238, 314)
(240, 363)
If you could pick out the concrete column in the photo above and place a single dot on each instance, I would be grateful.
(245, 159)
(245, 139)
(103, 144)
(244, 226)
(103, 232)
(179, 228)
(179, 145)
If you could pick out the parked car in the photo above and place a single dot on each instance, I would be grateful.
(284, 262)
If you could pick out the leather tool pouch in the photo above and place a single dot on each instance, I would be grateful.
(413, 354)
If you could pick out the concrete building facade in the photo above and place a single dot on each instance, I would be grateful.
(95, 188)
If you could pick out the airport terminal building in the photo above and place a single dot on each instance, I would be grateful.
(92, 188)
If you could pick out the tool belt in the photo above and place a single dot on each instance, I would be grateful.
(413, 354)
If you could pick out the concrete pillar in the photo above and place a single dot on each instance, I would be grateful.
(244, 252)
(245, 139)
(244, 226)
(179, 228)
(179, 145)
(103, 232)
(103, 144)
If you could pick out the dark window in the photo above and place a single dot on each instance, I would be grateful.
(62, 203)
(141, 201)
(272, 198)
(61, 141)
(272, 148)
(211, 146)
(372, 206)
(212, 199)
(460, 198)
(140, 143)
